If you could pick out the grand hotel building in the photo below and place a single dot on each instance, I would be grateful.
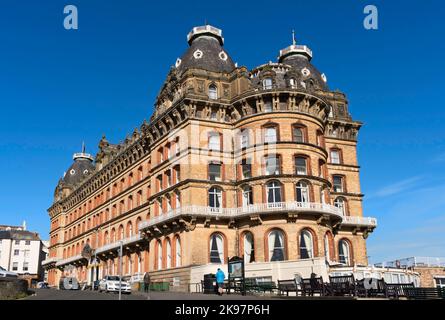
(255, 163)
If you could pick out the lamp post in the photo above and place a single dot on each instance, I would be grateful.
(120, 269)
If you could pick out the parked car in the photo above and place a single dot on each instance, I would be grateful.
(111, 284)
(7, 274)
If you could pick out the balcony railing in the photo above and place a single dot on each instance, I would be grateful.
(116, 244)
(203, 211)
(49, 261)
(360, 221)
(69, 260)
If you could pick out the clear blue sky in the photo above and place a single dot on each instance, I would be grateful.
(59, 88)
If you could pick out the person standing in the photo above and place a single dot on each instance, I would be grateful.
(147, 282)
(220, 276)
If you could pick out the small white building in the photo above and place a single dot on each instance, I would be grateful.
(22, 251)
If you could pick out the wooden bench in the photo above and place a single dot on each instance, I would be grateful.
(311, 286)
(379, 291)
(342, 285)
(287, 286)
(267, 286)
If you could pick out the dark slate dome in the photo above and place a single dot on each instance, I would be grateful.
(205, 52)
(299, 58)
(80, 169)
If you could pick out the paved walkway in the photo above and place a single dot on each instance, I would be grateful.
(54, 294)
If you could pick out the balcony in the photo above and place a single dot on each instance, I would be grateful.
(115, 245)
(49, 261)
(359, 221)
(233, 213)
(71, 260)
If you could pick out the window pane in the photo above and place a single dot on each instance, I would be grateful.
(306, 246)
(298, 135)
(300, 164)
(338, 184)
(272, 165)
(267, 84)
(216, 249)
(214, 142)
(276, 246)
(214, 172)
(270, 135)
(335, 156)
(267, 106)
(213, 93)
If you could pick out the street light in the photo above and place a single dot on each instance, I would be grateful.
(120, 268)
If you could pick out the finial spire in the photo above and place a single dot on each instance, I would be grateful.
(83, 146)
(294, 42)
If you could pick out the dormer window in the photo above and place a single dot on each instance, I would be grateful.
(267, 83)
(292, 83)
(267, 106)
(213, 92)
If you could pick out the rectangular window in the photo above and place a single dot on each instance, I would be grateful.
(272, 165)
(15, 266)
(270, 135)
(244, 139)
(27, 242)
(267, 84)
(17, 242)
(246, 169)
(25, 266)
(335, 156)
(26, 253)
(214, 172)
(300, 164)
(338, 183)
(214, 142)
(16, 252)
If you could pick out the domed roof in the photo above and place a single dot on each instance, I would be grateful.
(81, 168)
(299, 58)
(205, 52)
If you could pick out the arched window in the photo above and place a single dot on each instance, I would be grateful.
(267, 83)
(177, 199)
(276, 246)
(327, 246)
(341, 204)
(306, 245)
(178, 260)
(215, 199)
(216, 248)
(129, 229)
(302, 191)
(300, 166)
(168, 253)
(273, 192)
(344, 252)
(249, 250)
(298, 134)
(121, 232)
(247, 196)
(213, 92)
(159, 249)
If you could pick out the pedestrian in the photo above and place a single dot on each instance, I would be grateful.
(147, 282)
(220, 276)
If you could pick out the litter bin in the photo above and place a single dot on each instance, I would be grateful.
(209, 283)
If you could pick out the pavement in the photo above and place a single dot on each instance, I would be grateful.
(54, 294)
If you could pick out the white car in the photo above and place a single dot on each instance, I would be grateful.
(7, 274)
(111, 284)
